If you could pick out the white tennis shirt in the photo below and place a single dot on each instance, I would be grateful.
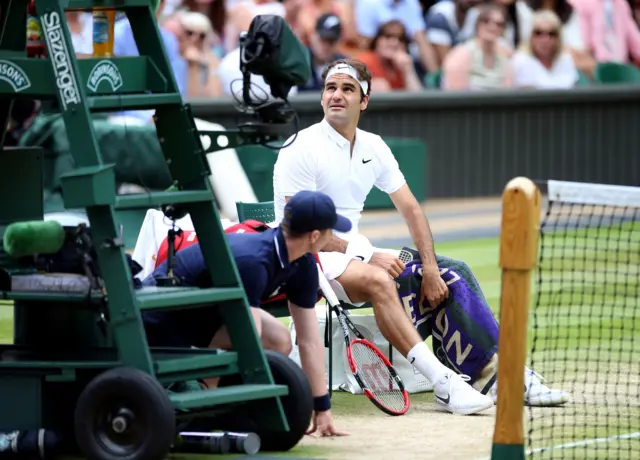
(320, 160)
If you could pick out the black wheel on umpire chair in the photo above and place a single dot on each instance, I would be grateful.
(297, 405)
(124, 413)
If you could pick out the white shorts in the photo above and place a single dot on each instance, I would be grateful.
(334, 264)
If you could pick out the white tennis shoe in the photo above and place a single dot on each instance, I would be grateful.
(536, 393)
(454, 394)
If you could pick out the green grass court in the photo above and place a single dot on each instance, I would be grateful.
(587, 328)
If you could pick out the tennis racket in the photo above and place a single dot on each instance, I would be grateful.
(407, 255)
(374, 373)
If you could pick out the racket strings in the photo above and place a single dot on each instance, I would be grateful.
(376, 376)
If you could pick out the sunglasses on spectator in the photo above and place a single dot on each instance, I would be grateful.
(500, 24)
(190, 33)
(548, 33)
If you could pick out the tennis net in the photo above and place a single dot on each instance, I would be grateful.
(585, 323)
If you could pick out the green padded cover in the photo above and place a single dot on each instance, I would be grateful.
(412, 158)
(134, 150)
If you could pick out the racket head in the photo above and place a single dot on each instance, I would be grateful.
(377, 377)
(405, 256)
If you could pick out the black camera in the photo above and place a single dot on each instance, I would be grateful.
(270, 49)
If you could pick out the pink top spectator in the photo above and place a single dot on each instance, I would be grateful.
(608, 29)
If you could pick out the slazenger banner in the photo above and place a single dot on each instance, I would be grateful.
(57, 49)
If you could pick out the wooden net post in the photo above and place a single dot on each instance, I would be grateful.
(519, 236)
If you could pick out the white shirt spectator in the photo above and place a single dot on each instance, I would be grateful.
(443, 28)
(320, 160)
(371, 14)
(529, 72)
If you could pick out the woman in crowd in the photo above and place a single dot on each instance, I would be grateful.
(571, 34)
(517, 27)
(480, 63)
(216, 12)
(195, 40)
(389, 61)
(543, 61)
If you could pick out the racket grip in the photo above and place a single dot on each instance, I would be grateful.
(326, 289)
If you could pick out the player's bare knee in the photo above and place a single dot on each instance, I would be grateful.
(279, 341)
(378, 284)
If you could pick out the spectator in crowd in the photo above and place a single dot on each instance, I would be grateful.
(216, 11)
(312, 9)
(519, 22)
(195, 40)
(571, 33)
(125, 45)
(609, 30)
(480, 63)
(241, 15)
(81, 30)
(518, 25)
(370, 15)
(543, 62)
(388, 60)
(323, 49)
(293, 14)
(448, 24)
(635, 10)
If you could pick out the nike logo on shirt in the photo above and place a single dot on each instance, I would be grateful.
(365, 162)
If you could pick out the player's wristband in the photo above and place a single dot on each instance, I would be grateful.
(359, 248)
(321, 403)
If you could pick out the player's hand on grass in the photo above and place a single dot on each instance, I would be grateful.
(322, 425)
(388, 262)
(433, 288)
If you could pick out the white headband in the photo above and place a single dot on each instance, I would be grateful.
(346, 69)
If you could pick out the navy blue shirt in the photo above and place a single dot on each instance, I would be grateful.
(263, 263)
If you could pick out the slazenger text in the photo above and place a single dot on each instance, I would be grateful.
(65, 80)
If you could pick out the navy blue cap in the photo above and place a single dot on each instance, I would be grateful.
(307, 211)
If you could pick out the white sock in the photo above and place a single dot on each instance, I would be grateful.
(426, 362)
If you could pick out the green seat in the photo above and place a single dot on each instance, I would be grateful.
(583, 79)
(615, 73)
(264, 212)
(433, 79)
(258, 163)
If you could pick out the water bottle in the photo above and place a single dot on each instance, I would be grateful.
(192, 442)
(29, 444)
(244, 443)
(103, 31)
(8, 441)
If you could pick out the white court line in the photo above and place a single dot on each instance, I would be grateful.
(572, 445)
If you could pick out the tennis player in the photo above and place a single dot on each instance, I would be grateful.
(276, 260)
(345, 162)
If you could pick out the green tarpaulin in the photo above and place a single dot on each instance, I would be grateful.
(134, 150)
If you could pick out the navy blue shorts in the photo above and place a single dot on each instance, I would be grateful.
(193, 327)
